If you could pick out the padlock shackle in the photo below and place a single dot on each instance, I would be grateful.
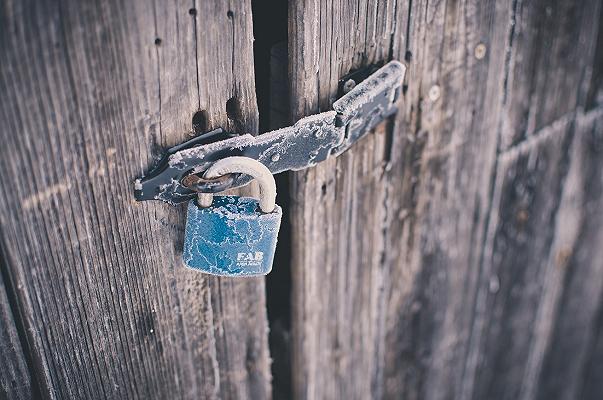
(253, 168)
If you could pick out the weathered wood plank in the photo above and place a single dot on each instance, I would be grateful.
(519, 281)
(576, 262)
(595, 87)
(547, 290)
(337, 209)
(529, 234)
(551, 51)
(430, 138)
(456, 85)
(90, 91)
(406, 267)
(15, 379)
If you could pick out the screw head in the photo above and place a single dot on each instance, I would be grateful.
(349, 85)
(434, 93)
(480, 51)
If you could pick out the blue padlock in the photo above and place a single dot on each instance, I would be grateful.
(233, 235)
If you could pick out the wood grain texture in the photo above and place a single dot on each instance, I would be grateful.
(577, 272)
(15, 379)
(91, 93)
(430, 261)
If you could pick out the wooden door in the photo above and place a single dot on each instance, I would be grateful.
(454, 253)
(91, 94)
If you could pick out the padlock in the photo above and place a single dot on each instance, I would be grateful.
(233, 235)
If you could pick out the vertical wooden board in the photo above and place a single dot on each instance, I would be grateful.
(572, 350)
(335, 213)
(519, 275)
(15, 379)
(93, 94)
(595, 87)
(545, 278)
(551, 54)
(441, 325)
(447, 153)
(593, 385)
(378, 250)
(531, 223)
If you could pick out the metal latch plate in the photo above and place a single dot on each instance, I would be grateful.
(310, 140)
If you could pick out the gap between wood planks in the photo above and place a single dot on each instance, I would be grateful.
(270, 24)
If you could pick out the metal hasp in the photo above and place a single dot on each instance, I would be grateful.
(309, 141)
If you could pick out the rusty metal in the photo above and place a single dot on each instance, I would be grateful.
(208, 185)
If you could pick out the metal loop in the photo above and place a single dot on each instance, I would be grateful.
(200, 184)
(248, 166)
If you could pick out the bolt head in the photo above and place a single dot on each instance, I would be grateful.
(349, 85)
(480, 51)
(434, 93)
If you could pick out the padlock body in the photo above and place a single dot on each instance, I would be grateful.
(232, 237)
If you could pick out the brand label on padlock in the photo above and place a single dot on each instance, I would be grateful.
(232, 237)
